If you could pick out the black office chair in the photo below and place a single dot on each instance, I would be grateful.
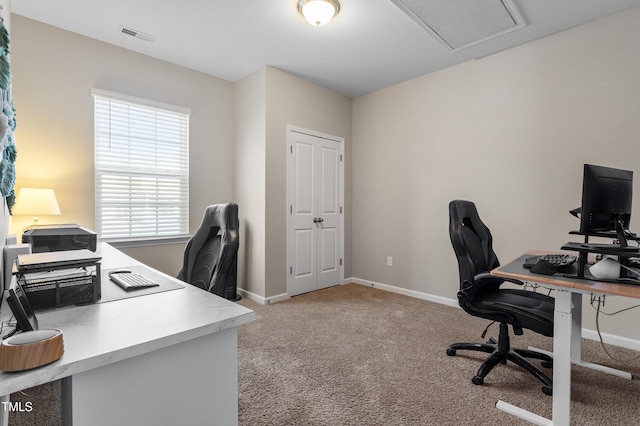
(481, 295)
(210, 258)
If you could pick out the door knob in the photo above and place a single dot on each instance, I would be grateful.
(318, 220)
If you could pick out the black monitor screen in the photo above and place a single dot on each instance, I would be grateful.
(606, 200)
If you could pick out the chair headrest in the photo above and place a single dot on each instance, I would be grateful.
(470, 237)
(223, 216)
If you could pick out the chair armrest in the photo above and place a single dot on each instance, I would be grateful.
(470, 289)
(488, 276)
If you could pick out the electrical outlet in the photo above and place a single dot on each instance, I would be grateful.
(389, 261)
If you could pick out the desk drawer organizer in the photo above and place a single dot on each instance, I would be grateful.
(56, 284)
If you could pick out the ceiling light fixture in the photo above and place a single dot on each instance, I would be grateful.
(318, 12)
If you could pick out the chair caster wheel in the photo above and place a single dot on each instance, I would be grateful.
(547, 390)
(477, 380)
(451, 352)
(547, 364)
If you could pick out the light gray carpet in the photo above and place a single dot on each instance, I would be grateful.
(354, 355)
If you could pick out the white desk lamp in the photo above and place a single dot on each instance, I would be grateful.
(36, 202)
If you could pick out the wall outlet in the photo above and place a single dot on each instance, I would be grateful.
(389, 261)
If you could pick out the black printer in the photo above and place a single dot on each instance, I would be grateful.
(45, 238)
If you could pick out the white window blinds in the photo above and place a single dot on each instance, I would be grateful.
(141, 168)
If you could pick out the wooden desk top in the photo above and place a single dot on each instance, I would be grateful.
(515, 270)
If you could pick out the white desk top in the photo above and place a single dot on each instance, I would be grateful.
(104, 333)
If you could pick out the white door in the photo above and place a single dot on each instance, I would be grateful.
(314, 217)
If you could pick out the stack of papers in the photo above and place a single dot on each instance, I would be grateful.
(61, 278)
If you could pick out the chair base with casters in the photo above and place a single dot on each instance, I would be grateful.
(501, 352)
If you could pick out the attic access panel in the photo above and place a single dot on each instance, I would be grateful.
(462, 23)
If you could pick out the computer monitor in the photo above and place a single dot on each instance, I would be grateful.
(606, 202)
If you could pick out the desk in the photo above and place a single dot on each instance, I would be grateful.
(567, 331)
(164, 358)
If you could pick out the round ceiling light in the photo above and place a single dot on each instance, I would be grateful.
(318, 12)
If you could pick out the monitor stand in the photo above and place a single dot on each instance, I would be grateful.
(622, 237)
(622, 249)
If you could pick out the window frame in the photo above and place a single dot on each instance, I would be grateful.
(182, 174)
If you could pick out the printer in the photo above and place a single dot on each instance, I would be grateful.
(45, 238)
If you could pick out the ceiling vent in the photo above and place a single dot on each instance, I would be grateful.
(462, 23)
(137, 34)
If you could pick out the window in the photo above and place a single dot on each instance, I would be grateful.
(141, 168)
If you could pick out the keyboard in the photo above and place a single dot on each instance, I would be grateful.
(558, 261)
(130, 280)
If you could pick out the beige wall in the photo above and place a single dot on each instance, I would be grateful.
(292, 100)
(54, 72)
(511, 132)
(266, 102)
(250, 172)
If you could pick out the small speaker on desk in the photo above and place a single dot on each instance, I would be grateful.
(606, 269)
(31, 349)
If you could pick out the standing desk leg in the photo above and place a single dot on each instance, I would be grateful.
(566, 347)
(576, 328)
(567, 332)
(576, 339)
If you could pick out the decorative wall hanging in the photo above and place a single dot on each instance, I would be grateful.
(7, 123)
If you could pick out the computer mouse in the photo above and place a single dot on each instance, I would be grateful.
(606, 269)
(543, 267)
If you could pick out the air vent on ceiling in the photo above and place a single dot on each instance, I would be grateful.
(462, 23)
(137, 34)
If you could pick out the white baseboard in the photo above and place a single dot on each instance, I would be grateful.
(404, 291)
(262, 300)
(610, 339)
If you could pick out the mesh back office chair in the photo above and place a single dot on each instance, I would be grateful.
(210, 258)
(480, 295)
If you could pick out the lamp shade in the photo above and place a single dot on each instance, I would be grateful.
(36, 202)
(318, 12)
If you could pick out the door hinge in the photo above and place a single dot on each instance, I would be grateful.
(341, 158)
(290, 210)
(291, 148)
(340, 261)
(340, 209)
(290, 270)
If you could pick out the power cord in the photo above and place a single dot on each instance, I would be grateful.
(535, 286)
(39, 390)
(8, 323)
(599, 301)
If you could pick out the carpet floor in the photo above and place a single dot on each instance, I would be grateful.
(355, 355)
